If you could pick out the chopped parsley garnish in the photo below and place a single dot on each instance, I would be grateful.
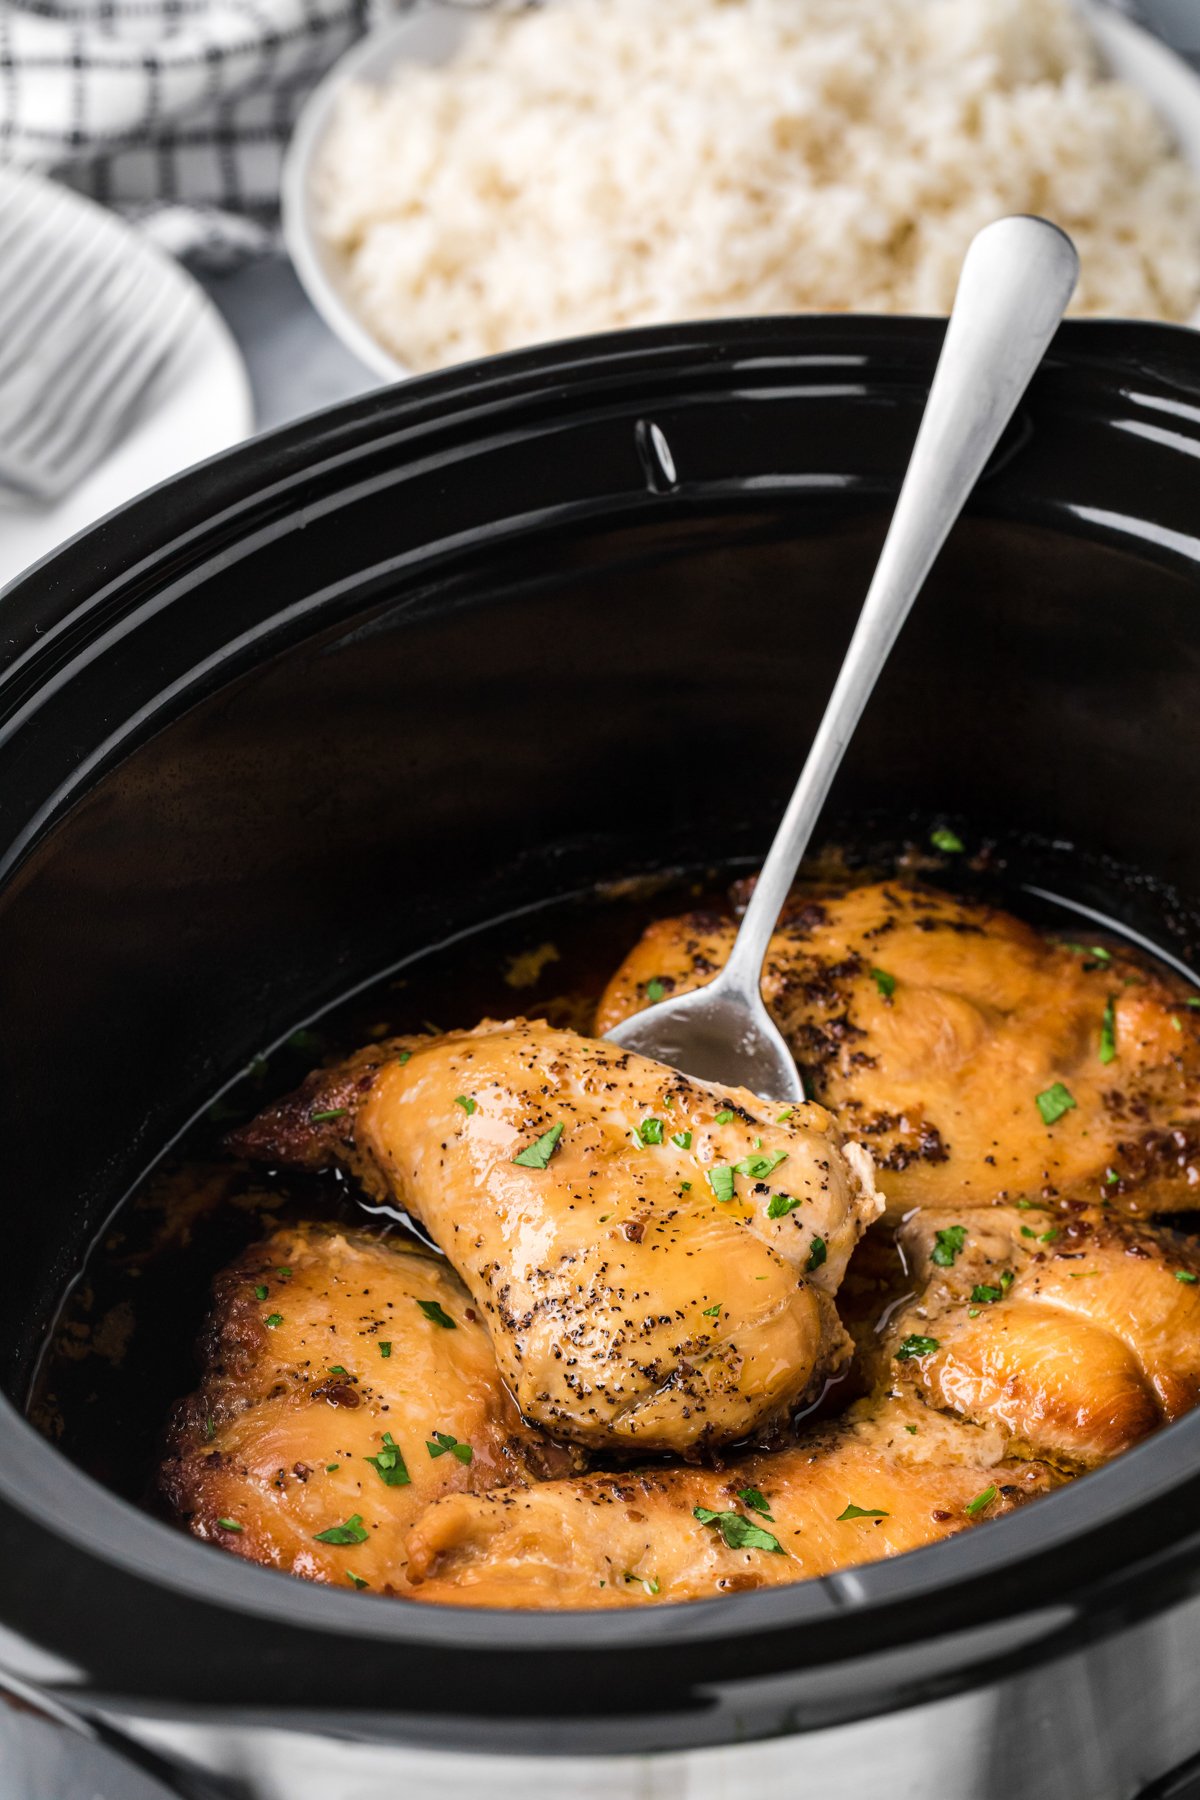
(1048, 1236)
(756, 1500)
(272, 1320)
(984, 1294)
(760, 1166)
(781, 1205)
(404, 1056)
(738, 1532)
(335, 1112)
(911, 1429)
(1185, 1275)
(260, 1292)
(650, 1132)
(685, 1187)
(231, 1525)
(884, 982)
(720, 1180)
(283, 1273)
(724, 1116)
(443, 1442)
(389, 1463)
(434, 1311)
(385, 1348)
(948, 1246)
(1054, 1101)
(336, 1369)
(655, 990)
(945, 839)
(976, 1506)
(1097, 952)
(649, 1582)
(1192, 1000)
(466, 1102)
(332, 1468)
(682, 1140)
(713, 1312)
(915, 1345)
(537, 1155)
(1108, 1031)
(350, 1533)
(787, 1112)
(356, 1579)
(816, 1255)
(210, 1429)
(862, 1512)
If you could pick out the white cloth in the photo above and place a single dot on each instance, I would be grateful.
(176, 111)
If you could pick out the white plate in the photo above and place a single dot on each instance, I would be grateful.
(431, 36)
(198, 403)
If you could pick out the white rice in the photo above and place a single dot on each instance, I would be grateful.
(622, 162)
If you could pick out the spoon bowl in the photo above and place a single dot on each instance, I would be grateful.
(721, 1033)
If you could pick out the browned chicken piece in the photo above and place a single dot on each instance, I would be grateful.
(931, 1027)
(889, 1478)
(656, 1258)
(1075, 1331)
(348, 1382)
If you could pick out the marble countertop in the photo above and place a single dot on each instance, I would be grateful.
(294, 362)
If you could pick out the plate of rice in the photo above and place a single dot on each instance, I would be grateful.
(467, 183)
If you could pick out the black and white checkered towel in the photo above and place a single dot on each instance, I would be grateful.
(176, 111)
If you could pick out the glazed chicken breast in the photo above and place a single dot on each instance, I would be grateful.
(656, 1258)
(977, 1058)
(887, 1479)
(1077, 1331)
(347, 1383)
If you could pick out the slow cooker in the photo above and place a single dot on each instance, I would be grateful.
(483, 638)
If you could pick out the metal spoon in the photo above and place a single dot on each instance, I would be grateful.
(1016, 280)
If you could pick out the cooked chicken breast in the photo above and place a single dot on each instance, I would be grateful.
(1076, 1331)
(656, 1258)
(977, 1058)
(348, 1382)
(887, 1480)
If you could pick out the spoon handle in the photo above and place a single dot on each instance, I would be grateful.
(1016, 280)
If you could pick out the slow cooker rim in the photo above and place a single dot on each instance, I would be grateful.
(147, 557)
(35, 1477)
(244, 478)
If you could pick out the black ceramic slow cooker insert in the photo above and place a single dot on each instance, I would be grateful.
(481, 639)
